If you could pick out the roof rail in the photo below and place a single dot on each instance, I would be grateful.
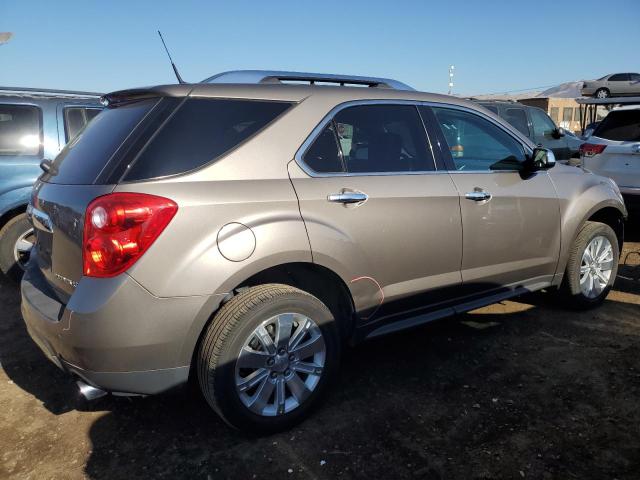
(267, 76)
(47, 92)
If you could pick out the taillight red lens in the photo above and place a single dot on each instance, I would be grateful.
(119, 228)
(591, 149)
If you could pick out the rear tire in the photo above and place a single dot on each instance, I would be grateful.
(14, 237)
(602, 93)
(253, 338)
(592, 266)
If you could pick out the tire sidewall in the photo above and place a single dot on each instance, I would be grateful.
(598, 229)
(227, 399)
(9, 235)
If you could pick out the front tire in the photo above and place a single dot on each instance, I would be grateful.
(602, 93)
(16, 241)
(592, 266)
(267, 357)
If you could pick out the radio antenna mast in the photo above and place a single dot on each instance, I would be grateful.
(175, 70)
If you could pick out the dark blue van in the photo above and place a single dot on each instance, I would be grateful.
(34, 125)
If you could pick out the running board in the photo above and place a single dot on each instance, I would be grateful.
(425, 318)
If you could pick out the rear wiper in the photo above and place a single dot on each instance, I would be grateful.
(47, 166)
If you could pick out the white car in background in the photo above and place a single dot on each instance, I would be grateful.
(613, 150)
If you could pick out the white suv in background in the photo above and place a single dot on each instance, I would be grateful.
(613, 150)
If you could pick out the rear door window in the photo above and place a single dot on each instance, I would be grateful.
(76, 118)
(383, 139)
(621, 125)
(199, 132)
(20, 130)
(518, 118)
(84, 157)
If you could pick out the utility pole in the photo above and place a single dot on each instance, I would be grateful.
(451, 69)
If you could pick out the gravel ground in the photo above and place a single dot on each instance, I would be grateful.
(520, 389)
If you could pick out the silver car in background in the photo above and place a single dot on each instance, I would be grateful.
(613, 85)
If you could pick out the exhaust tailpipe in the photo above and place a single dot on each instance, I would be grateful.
(89, 392)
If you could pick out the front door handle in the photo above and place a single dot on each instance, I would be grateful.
(478, 196)
(347, 197)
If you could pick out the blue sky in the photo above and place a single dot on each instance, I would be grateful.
(496, 46)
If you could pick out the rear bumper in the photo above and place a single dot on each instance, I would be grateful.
(113, 333)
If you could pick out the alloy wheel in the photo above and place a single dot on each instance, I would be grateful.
(22, 248)
(280, 364)
(596, 266)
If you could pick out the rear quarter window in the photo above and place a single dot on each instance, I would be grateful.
(199, 132)
(20, 130)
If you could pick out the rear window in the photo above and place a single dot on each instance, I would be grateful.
(76, 118)
(20, 130)
(623, 125)
(200, 131)
(82, 159)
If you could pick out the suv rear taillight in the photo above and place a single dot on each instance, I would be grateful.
(119, 228)
(591, 149)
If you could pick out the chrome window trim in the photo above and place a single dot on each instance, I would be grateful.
(317, 130)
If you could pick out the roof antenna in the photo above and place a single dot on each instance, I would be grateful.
(175, 70)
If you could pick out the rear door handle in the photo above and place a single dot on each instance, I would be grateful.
(347, 197)
(478, 196)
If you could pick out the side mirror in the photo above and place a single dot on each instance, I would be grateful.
(541, 159)
(47, 166)
(558, 133)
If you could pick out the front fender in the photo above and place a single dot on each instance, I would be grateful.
(581, 195)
